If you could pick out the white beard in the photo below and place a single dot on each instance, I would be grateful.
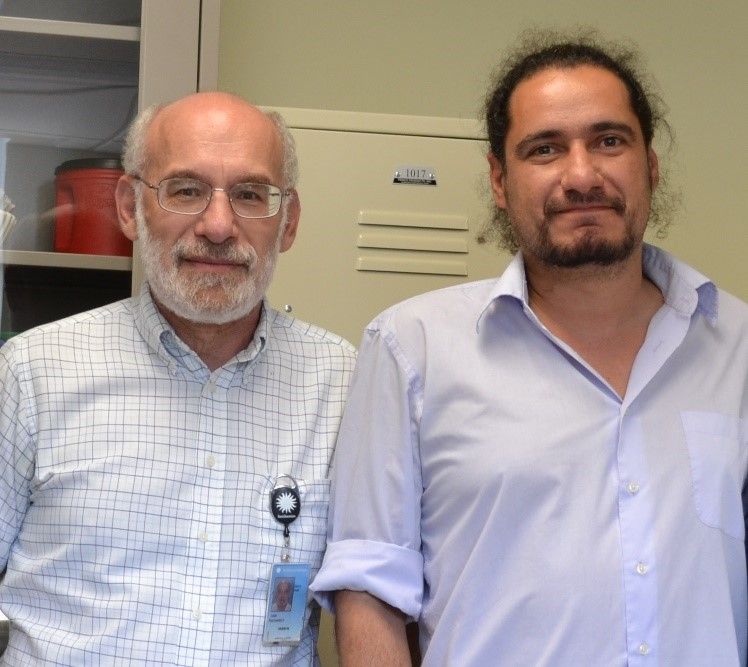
(196, 299)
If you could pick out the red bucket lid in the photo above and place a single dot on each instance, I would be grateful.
(90, 163)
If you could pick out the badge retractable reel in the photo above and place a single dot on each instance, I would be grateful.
(289, 582)
(285, 504)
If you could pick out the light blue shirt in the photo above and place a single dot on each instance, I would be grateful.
(134, 487)
(489, 483)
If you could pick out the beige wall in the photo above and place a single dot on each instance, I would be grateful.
(434, 59)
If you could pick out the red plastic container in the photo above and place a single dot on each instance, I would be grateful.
(85, 212)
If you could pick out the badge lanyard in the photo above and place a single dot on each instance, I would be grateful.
(289, 582)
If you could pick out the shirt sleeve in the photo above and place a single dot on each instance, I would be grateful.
(374, 526)
(16, 458)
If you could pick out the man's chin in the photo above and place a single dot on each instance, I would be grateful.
(206, 308)
(587, 252)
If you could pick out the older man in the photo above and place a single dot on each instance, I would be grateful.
(554, 467)
(141, 442)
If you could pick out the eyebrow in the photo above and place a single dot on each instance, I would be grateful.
(602, 126)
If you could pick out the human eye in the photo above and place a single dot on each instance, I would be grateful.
(184, 189)
(611, 141)
(541, 152)
(250, 193)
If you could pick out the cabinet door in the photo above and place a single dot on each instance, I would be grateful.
(366, 241)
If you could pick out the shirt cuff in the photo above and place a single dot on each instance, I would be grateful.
(391, 573)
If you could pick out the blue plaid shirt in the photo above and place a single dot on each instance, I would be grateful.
(134, 487)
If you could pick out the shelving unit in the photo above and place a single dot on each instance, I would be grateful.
(57, 28)
(72, 76)
(61, 260)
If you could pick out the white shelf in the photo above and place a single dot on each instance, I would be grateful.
(70, 29)
(64, 260)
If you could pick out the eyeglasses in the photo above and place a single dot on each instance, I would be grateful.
(190, 196)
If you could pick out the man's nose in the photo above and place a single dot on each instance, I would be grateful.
(581, 170)
(218, 221)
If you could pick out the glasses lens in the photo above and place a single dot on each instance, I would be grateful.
(183, 195)
(255, 200)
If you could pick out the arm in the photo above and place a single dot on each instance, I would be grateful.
(16, 457)
(369, 632)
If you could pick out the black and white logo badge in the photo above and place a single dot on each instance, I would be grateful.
(285, 500)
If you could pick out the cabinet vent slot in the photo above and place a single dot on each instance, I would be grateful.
(411, 242)
(413, 219)
(408, 263)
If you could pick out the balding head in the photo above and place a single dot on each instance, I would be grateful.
(204, 109)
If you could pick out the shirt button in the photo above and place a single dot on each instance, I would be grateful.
(632, 488)
(643, 648)
(197, 614)
(210, 460)
(642, 568)
(203, 537)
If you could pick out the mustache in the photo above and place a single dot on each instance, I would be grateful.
(221, 252)
(573, 199)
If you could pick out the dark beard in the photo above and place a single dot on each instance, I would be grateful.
(588, 250)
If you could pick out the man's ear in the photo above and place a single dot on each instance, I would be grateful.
(654, 168)
(124, 197)
(293, 213)
(497, 180)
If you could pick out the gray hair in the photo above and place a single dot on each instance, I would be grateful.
(134, 152)
(290, 159)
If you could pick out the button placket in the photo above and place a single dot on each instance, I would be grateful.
(636, 516)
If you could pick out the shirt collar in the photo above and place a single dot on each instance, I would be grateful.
(512, 283)
(684, 289)
(161, 338)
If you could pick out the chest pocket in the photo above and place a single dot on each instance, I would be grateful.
(308, 532)
(717, 452)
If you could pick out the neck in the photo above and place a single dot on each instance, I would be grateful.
(602, 313)
(590, 294)
(215, 344)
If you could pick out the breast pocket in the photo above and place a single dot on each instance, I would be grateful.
(307, 534)
(716, 450)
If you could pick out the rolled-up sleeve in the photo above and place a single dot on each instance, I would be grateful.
(374, 523)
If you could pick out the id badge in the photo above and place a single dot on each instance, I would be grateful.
(286, 606)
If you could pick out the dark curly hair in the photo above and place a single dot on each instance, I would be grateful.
(545, 49)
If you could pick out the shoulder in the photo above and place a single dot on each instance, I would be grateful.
(75, 334)
(308, 339)
(446, 308)
(733, 312)
(432, 326)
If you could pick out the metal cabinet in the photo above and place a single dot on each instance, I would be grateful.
(391, 206)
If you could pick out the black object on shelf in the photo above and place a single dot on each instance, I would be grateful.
(37, 295)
